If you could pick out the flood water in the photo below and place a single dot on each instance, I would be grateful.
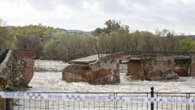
(52, 82)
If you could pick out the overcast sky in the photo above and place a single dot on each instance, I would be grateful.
(178, 15)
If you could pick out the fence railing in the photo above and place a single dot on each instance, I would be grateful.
(157, 53)
(176, 101)
(97, 101)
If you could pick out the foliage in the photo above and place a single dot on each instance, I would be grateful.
(5, 39)
(30, 42)
(187, 44)
(54, 43)
(148, 61)
(1, 88)
(111, 26)
(2, 104)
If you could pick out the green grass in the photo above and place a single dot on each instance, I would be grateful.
(2, 104)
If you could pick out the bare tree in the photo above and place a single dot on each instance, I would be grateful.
(32, 42)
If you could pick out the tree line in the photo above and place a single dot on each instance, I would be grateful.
(53, 43)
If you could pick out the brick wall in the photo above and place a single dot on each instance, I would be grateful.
(28, 58)
(150, 67)
(103, 71)
(192, 66)
(135, 69)
(16, 71)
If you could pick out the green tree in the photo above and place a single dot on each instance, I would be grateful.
(97, 31)
(187, 44)
(111, 26)
(6, 41)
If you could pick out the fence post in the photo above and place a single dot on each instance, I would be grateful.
(8, 102)
(152, 96)
(116, 107)
(115, 101)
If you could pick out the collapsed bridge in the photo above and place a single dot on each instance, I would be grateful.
(160, 65)
(16, 68)
(104, 68)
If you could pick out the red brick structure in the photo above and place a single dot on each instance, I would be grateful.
(160, 67)
(182, 65)
(192, 66)
(151, 67)
(94, 70)
(16, 69)
(135, 68)
(28, 57)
